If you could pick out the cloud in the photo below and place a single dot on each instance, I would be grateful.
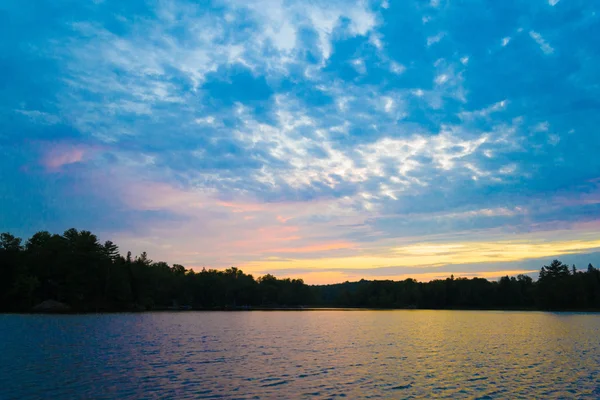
(544, 46)
(58, 155)
(359, 65)
(40, 116)
(318, 248)
(397, 68)
(304, 133)
(435, 39)
(281, 21)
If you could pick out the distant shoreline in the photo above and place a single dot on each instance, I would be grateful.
(295, 309)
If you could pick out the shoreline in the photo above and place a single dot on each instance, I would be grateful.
(294, 309)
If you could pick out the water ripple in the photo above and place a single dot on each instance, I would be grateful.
(317, 354)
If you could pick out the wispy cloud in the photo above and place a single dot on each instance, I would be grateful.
(544, 45)
(40, 117)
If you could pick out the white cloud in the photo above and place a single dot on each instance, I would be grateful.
(435, 39)
(553, 2)
(397, 68)
(210, 120)
(441, 79)
(40, 116)
(544, 46)
(542, 127)
(449, 82)
(325, 19)
(485, 112)
(508, 169)
(342, 102)
(418, 92)
(285, 37)
(394, 161)
(505, 41)
(375, 40)
(137, 66)
(362, 21)
(209, 43)
(359, 66)
(389, 104)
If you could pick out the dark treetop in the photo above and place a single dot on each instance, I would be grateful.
(74, 270)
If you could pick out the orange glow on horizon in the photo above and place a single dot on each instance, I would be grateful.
(421, 258)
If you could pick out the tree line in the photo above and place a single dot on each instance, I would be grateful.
(88, 276)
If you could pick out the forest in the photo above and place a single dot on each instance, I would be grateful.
(77, 271)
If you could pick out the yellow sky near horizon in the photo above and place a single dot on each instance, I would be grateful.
(419, 259)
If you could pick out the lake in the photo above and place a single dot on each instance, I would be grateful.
(307, 354)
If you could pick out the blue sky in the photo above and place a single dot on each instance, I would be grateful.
(331, 140)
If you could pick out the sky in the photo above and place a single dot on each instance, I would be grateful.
(328, 140)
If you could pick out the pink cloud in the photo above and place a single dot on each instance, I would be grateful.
(60, 156)
(260, 239)
(317, 248)
(56, 155)
(161, 196)
(238, 207)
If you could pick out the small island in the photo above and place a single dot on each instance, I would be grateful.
(74, 272)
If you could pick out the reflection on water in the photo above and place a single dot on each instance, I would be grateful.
(321, 354)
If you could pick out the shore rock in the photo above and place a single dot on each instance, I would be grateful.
(51, 306)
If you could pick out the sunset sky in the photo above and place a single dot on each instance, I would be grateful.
(328, 140)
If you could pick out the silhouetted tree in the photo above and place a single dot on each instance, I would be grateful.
(75, 268)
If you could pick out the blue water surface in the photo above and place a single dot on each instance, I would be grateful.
(308, 354)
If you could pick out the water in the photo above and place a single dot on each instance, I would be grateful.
(311, 354)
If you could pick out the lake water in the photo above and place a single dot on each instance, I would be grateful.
(309, 354)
